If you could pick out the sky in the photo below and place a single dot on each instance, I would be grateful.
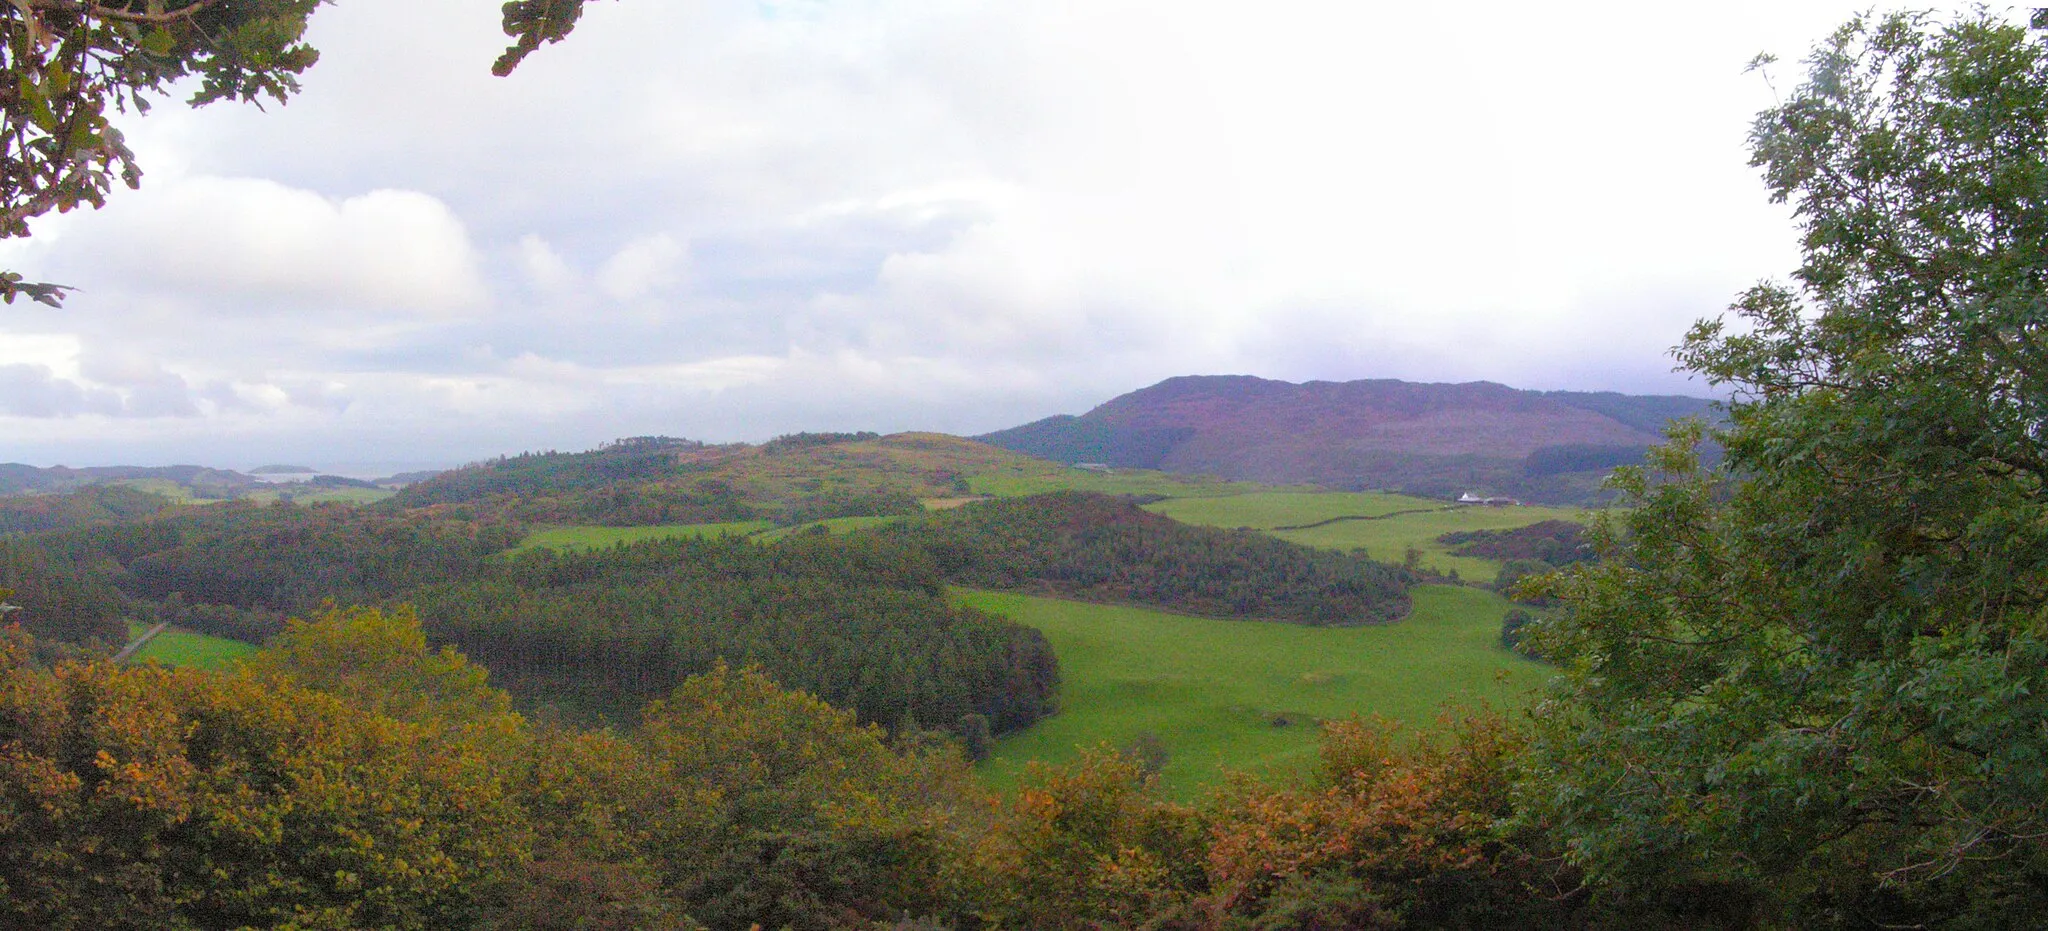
(730, 220)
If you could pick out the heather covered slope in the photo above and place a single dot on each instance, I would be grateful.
(1433, 439)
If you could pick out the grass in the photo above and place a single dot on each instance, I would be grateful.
(589, 537)
(162, 486)
(1217, 692)
(1390, 538)
(1385, 535)
(184, 648)
(1265, 510)
(303, 494)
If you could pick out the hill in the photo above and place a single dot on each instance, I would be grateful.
(790, 480)
(189, 480)
(1425, 439)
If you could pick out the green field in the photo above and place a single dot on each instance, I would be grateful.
(162, 486)
(300, 494)
(1385, 534)
(1217, 692)
(594, 537)
(183, 648)
(1265, 510)
(1390, 538)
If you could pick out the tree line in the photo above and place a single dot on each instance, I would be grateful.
(1106, 548)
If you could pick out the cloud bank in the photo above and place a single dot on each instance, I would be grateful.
(729, 220)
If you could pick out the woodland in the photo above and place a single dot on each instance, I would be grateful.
(1798, 674)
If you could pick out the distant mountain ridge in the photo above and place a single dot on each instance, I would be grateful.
(1422, 438)
(202, 482)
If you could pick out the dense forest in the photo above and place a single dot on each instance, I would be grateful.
(860, 622)
(1106, 548)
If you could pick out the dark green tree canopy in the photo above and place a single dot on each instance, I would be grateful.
(1813, 678)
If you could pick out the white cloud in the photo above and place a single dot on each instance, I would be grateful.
(281, 247)
(545, 267)
(642, 266)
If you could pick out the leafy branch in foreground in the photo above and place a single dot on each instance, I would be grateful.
(67, 66)
(1810, 682)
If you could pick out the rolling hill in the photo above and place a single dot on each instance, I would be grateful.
(1427, 439)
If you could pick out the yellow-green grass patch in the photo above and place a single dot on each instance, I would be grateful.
(1389, 538)
(1265, 510)
(176, 647)
(162, 486)
(1248, 695)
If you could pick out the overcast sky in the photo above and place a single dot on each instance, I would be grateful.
(729, 220)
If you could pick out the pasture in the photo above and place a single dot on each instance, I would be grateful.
(184, 648)
(1386, 525)
(1246, 696)
(1267, 510)
(1389, 538)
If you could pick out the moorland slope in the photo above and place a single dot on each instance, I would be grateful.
(1430, 439)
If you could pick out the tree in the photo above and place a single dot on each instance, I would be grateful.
(67, 65)
(145, 797)
(1808, 685)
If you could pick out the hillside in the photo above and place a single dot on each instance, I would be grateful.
(790, 480)
(195, 481)
(1427, 439)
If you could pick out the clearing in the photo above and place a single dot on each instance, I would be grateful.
(176, 647)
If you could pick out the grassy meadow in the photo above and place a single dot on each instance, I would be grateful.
(1266, 510)
(1245, 695)
(184, 648)
(1390, 523)
(1389, 539)
(302, 494)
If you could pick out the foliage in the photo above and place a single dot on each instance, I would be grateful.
(34, 513)
(790, 480)
(792, 815)
(1088, 846)
(286, 558)
(66, 66)
(1391, 834)
(855, 619)
(1102, 548)
(142, 797)
(1554, 542)
(58, 600)
(1811, 680)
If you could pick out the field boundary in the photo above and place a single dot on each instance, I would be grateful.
(1338, 520)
